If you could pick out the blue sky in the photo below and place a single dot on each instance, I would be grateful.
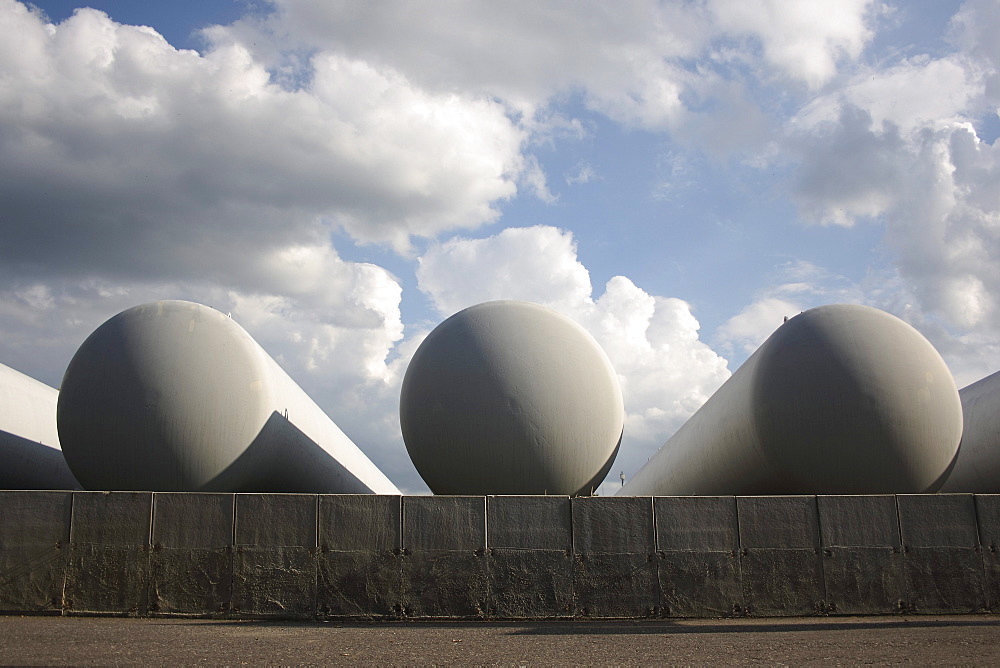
(340, 177)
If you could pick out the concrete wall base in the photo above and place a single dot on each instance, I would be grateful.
(309, 557)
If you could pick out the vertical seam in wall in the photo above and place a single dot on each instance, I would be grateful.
(899, 523)
(316, 553)
(652, 519)
(983, 592)
(152, 517)
(975, 516)
(316, 523)
(402, 525)
(147, 549)
(739, 529)
(660, 598)
(574, 598)
(486, 524)
(69, 554)
(227, 603)
(656, 538)
(572, 536)
(399, 527)
(72, 509)
(739, 558)
(400, 590)
(820, 552)
(902, 553)
(819, 527)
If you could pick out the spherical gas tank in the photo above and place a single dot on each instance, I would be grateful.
(840, 399)
(176, 396)
(510, 397)
(851, 398)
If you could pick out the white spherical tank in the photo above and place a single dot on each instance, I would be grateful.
(841, 399)
(511, 398)
(175, 396)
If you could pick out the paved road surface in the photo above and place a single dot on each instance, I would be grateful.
(964, 640)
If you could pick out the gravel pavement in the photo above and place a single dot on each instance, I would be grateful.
(951, 640)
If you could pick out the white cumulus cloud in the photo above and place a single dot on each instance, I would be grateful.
(123, 152)
(640, 62)
(805, 39)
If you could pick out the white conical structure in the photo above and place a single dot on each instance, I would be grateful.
(29, 445)
(977, 467)
(175, 396)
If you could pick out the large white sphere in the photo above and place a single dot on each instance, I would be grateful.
(841, 399)
(511, 398)
(175, 396)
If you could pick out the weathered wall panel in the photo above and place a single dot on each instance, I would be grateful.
(191, 563)
(615, 574)
(445, 570)
(109, 555)
(988, 517)
(530, 542)
(697, 541)
(34, 550)
(360, 556)
(862, 555)
(942, 556)
(780, 560)
(529, 522)
(274, 561)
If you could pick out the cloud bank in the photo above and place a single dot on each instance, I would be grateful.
(131, 170)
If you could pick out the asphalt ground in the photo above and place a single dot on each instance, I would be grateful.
(949, 640)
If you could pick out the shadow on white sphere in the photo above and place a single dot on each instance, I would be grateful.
(510, 397)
